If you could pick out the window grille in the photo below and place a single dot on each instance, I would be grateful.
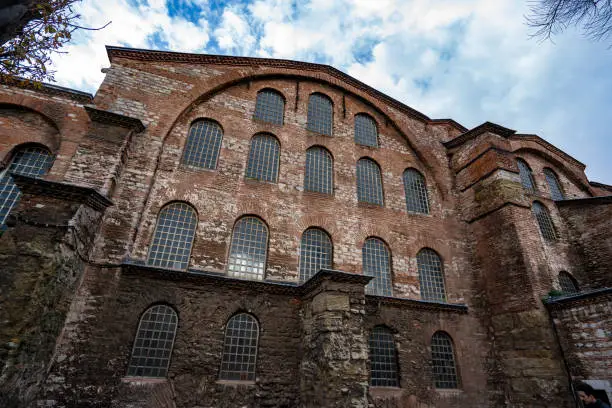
(568, 283)
(240, 349)
(366, 132)
(526, 176)
(30, 161)
(320, 114)
(544, 221)
(553, 185)
(443, 361)
(319, 171)
(383, 358)
(315, 253)
(173, 237)
(263, 158)
(270, 106)
(369, 182)
(431, 275)
(153, 344)
(415, 190)
(203, 144)
(377, 263)
(247, 258)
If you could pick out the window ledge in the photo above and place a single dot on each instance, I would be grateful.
(377, 391)
(449, 391)
(144, 380)
(236, 383)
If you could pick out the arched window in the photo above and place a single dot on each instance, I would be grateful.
(315, 253)
(153, 344)
(33, 161)
(568, 283)
(270, 106)
(240, 348)
(319, 175)
(526, 175)
(264, 157)
(320, 114)
(173, 237)
(366, 132)
(369, 182)
(203, 144)
(415, 190)
(383, 358)
(377, 263)
(431, 275)
(249, 248)
(553, 185)
(544, 221)
(443, 361)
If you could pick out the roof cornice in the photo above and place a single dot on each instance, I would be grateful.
(180, 57)
(548, 146)
(477, 131)
(113, 118)
(49, 89)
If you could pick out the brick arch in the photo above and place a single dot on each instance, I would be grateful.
(203, 92)
(374, 231)
(324, 222)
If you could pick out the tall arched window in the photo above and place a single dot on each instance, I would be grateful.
(544, 221)
(526, 175)
(240, 348)
(153, 344)
(443, 361)
(383, 358)
(376, 260)
(203, 144)
(264, 157)
(249, 248)
(270, 106)
(33, 161)
(316, 253)
(369, 182)
(319, 173)
(431, 275)
(415, 190)
(366, 132)
(173, 237)
(553, 185)
(568, 283)
(320, 114)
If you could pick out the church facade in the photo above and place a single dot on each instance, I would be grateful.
(215, 231)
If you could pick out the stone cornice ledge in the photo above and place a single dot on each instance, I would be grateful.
(583, 297)
(418, 304)
(64, 191)
(102, 116)
(585, 201)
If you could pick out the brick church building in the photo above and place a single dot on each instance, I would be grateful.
(211, 231)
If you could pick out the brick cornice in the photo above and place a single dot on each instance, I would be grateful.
(102, 116)
(179, 57)
(417, 304)
(477, 131)
(600, 200)
(579, 299)
(64, 191)
(537, 139)
(49, 89)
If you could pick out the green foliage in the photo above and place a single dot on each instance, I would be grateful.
(553, 293)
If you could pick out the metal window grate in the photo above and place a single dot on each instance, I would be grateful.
(154, 340)
(247, 258)
(366, 132)
(377, 263)
(431, 275)
(544, 222)
(553, 185)
(320, 114)
(383, 358)
(315, 253)
(270, 106)
(173, 236)
(28, 161)
(526, 176)
(319, 176)
(240, 349)
(443, 361)
(415, 190)
(568, 283)
(369, 183)
(263, 158)
(203, 144)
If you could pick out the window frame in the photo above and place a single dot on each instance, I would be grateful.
(332, 175)
(395, 358)
(548, 172)
(525, 175)
(457, 373)
(331, 252)
(231, 247)
(426, 202)
(571, 279)
(365, 159)
(331, 119)
(277, 160)
(376, 133)
(225, 338)
(429, 280)
(555, 234)
(283, 99)
(191, 166)
(371, 288)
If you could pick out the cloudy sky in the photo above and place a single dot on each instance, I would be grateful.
(470, 60)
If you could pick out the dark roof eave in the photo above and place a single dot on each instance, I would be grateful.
(477, 131)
